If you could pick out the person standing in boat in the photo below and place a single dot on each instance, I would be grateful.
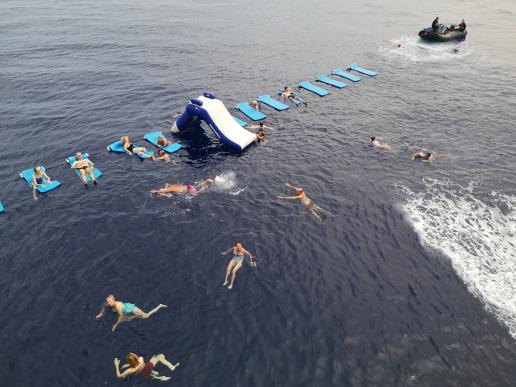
(435, 24)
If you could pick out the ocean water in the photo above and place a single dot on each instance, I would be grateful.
(409, 280)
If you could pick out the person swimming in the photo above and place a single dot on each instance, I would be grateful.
(236, 262)
(262, 137)
(129, 148)
(136, 365)
(162, 156)
(39, 178)
(125, 311)
(424, 156)
(303, 198)
(375, 143)
(201, 186)
(84, 166)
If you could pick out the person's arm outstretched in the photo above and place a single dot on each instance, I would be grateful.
(124, 374)
(252, 261)
(102, 312)
(227, 251)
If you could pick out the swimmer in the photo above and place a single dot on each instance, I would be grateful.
(125, 310)
(261, 136)
(136, 366)
(375, 143)
(84, 166)
(236, 262)
(39, 178)
(303, 198)
(259, 126)
(177, 114)
(129, 148)
(162, 141)
(428, 157)
(201, 186)
(289, 94)
(255, 105)
(163, 156)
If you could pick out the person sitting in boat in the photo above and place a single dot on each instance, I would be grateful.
(435, 24)
(462, 25)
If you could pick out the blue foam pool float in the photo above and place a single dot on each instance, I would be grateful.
(96, 172)
(254, 115)
(273, 103)
(45, 187)
(118, 147)
(361, 70)
(314, 89)
(240, 122)
(345, 74)
(2, 209)
(153, 139)
(330, 81)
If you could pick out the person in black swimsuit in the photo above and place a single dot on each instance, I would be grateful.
(129, 148)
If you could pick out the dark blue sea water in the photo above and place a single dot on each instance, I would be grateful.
(409, 282)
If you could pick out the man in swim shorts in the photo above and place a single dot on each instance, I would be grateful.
(236, 262)
(84, 166)
(125, 310)
(303, 198)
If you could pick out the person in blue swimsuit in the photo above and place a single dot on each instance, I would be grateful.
(125, 310)
(39, 178)
(236, 262)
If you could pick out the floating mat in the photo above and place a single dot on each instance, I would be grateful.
(153, 139)
(96, 172)
(2, 209)
(330, 81)
(344, 74)
(27, 176)
(273, 103)
(314, 89)
(359, 69)
(245, 108)
(240, 122)
(117, 147)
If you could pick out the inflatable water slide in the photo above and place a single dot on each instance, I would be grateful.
(212, 111)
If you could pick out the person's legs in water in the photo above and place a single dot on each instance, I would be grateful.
(237, 267)
(231, 264)
(89, 171)
(143, 315)
(83, 176)
(161, 359)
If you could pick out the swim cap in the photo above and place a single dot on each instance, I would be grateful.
(191, 189)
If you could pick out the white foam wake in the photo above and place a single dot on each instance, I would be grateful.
(479, 237)
(416, 50)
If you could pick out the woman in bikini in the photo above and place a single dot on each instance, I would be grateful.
(303, 198)
(129, 148)
(136, 365)
(125, 310)
(236, 262)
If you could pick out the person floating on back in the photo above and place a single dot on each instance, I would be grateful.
(375, 143)
(136, 366)
(303, 198)
(236, 262)
(129, 148)
(125, 310)
(84, 166)
(289, 94)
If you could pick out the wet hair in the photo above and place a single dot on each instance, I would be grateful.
(132, 359)
(372, 138)
(237, 242)
(261, 124)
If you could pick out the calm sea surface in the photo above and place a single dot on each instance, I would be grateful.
(410, 281)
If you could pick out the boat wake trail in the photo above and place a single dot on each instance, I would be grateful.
(414, 49)
(479, 237)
